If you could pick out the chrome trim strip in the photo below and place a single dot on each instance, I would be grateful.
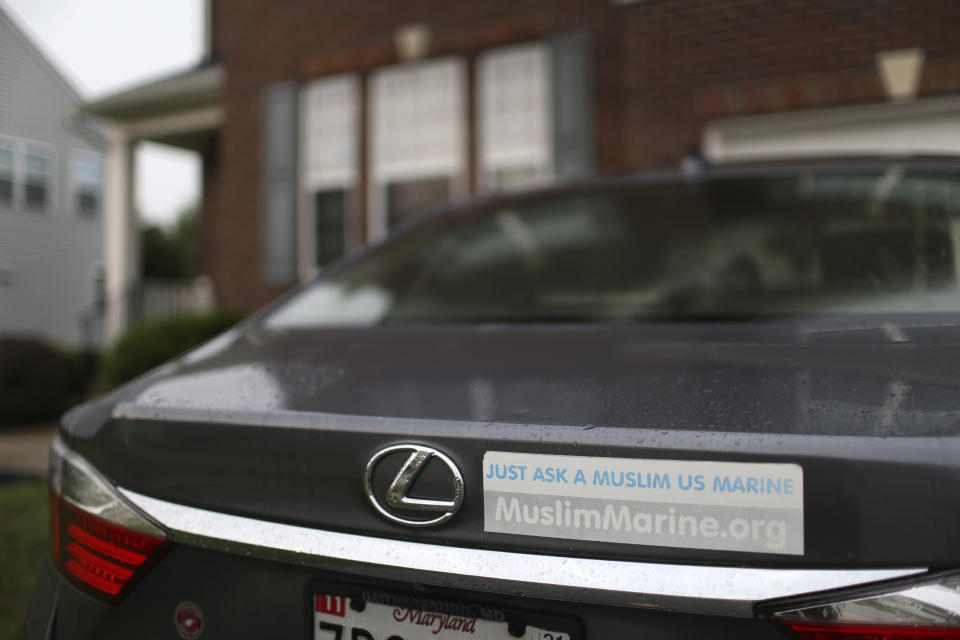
(731, 591)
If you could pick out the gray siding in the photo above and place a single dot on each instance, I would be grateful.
(47, 259)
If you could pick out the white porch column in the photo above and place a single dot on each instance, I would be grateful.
(122, 237)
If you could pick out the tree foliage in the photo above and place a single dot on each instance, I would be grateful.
(170, 252)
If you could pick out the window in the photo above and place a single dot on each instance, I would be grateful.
(741, 247)
(331, 106)
(406, 199)
(329, 164)
(99, 288)
(513, 95)
(87, 182)
(36, 194)
(328, 207)
(6, 175)
(25, 174)
(417, 139)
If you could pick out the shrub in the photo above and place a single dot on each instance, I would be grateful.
(35, 381)
(84, 367)
(153, 343)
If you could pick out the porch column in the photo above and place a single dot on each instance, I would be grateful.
(121, 234)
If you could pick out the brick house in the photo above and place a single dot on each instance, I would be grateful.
(322, 124)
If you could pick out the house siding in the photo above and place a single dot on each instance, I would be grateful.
(48, 259)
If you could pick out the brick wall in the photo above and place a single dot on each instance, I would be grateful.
(663, 68)
(692, 61)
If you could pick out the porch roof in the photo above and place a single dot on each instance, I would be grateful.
(182, 109)
(183, 90)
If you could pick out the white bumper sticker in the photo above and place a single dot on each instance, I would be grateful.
(727, 506)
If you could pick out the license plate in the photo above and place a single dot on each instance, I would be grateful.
(339, 617)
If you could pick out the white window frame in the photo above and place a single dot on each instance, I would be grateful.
(47, 151)
(77, 156)
(380, 174)
(539, 156)
(21, 147)
(12, 144)
(312, 179)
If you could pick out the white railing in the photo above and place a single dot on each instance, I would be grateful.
(158, 298)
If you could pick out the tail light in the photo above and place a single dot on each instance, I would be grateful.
(922, 610)
(97, 540)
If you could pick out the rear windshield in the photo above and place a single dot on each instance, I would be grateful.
(868, 241)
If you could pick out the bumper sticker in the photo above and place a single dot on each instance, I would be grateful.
(730, 506)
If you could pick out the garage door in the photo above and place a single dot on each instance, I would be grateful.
(926, 127)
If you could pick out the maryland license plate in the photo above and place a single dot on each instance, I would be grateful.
(379, 616)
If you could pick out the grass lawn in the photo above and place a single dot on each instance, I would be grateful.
(23, 538)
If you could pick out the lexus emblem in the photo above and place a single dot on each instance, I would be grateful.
(396, 505)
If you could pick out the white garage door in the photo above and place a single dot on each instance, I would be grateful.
(926, 127)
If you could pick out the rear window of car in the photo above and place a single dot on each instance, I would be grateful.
(877, 240)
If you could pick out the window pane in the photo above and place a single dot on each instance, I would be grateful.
(6, 177)
(35, 195)
(88, 183)
(516, 177)
(417, 116)
(331, 129)
(739, 247)
(406, 200)
(89, 172)
(88, 202)
(36, 165)
(514, 102)
(330, 210)
(37, 175)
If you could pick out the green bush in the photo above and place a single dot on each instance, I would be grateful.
(153, 343)
(84, 368)
(35, 381)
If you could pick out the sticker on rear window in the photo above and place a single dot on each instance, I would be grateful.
(728, 506)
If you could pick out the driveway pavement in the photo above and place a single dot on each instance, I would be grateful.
(23, 450)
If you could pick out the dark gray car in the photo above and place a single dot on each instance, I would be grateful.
(650, 407)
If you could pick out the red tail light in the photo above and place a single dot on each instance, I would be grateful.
(871, 632)
(928, 609)
(98, 541)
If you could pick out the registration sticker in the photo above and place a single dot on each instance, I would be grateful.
(730, 506)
